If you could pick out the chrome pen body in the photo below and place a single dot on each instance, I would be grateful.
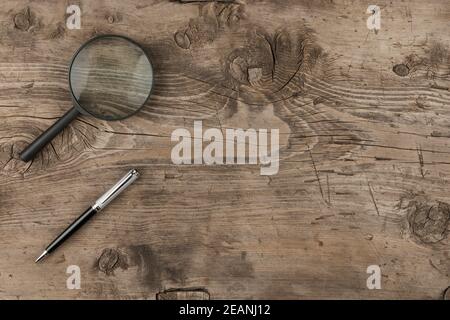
(101, 203)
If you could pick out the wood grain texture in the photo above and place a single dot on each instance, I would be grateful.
(364, 165)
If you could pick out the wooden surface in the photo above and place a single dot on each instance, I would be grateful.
(364, 122)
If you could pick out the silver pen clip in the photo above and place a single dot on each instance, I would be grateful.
(112, 193)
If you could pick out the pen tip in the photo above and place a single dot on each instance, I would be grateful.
(43, 254)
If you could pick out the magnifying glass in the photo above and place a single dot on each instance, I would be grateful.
(110, 78)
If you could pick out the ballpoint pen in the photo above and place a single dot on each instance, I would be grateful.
(101, 202)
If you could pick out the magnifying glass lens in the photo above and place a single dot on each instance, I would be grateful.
(111, 78)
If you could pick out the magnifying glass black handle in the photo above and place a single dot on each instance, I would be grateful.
(48, 135)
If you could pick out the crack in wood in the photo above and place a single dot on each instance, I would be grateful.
(373, 198)
(184, 294)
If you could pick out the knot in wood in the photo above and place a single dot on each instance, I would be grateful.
(401, 70)
(428, 222)
(108, 260)
(22, 20)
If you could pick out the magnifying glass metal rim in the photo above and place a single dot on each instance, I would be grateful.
(77, 105)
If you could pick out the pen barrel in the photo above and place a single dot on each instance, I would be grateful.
(74, 226)
(101, 202)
